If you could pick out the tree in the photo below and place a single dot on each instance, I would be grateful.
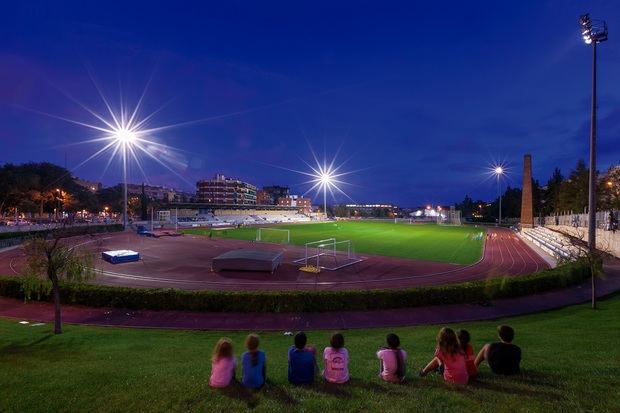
(594, 257)
(551, 193)
(609, 189)
(467, 207)
(42, 198)
(48, 262)
(574, 190)
(341, 210)
(112, 198)
(30, 187)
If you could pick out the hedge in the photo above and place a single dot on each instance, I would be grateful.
(72, 231)
(477, 292)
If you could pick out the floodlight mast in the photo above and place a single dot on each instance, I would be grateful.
(593, 32)
(499, 170)
(326, 179)
(125, 220)
(124, 138)
(325, 201)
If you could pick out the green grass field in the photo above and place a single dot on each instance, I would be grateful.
(423, 242)
(570, 364)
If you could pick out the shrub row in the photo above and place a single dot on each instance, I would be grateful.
(478, 292)
(71, 231)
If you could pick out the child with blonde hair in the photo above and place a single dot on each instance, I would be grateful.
(449, 357)
(223, 364)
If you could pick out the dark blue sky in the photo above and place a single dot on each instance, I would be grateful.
(425, 96)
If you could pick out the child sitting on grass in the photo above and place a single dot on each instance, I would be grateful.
(392, 360)
(222, 364)
(470, 359)
(503, 357)
(301, 361)
(253, 362)
(450, 357)
(336, 359)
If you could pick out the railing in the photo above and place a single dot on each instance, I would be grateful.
(577, 220)
(10, 242)
(43, 227)
(26, 232)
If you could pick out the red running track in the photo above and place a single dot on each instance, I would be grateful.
(184, 262)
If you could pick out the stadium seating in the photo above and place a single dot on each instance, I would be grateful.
(224, 217)
(553, 243)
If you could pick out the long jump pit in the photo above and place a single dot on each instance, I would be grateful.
(186, 261)
(247, 260)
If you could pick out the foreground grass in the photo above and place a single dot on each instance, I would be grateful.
(422, 242)
(570, 364)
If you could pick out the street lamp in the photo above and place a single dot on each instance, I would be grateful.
(593, 32)
(499, 171)
(58, 199)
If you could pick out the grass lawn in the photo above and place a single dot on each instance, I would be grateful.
(570, 365)
(424, 242)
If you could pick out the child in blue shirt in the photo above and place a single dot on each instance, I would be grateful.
(301, 361)
(253, 364)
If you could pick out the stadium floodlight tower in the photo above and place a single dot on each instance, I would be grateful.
(326, 180)
(125, 138)
(499, 171)
(593, 32)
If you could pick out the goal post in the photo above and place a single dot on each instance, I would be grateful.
(328, 254)
(273, 235)
(403, 220)
(449, 217)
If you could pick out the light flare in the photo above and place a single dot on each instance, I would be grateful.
(325, 176)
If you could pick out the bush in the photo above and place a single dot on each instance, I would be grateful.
(477, 292)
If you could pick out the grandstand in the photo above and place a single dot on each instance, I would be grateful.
(257, 217)
(553, 243)
(225, 216)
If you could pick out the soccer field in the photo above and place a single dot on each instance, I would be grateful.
(459, 245)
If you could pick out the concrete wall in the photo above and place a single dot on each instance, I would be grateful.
(605, 240)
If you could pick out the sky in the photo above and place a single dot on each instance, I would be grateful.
(415, 99)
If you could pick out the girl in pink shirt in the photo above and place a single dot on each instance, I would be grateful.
(450, 357)
(392, 360)
(336, 359)
(222, 364)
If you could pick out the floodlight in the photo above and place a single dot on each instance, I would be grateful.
(592, 30)
(125, 136)
(325, 176)
(499, 170)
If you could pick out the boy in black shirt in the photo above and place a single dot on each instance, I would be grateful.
(503, 357)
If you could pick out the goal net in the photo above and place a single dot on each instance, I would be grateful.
(273, 235)
(163, 216)
(450, 217)
(329, 254)
(402, 220)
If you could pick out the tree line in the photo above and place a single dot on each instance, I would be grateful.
(41, 189)
(561, 194)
